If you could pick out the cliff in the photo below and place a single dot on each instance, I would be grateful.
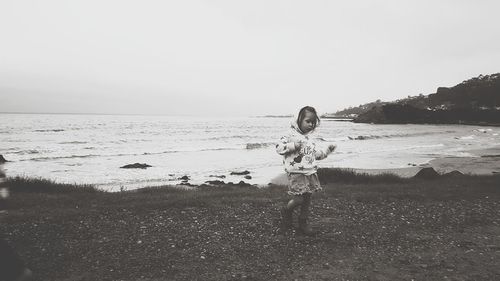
(474, 101)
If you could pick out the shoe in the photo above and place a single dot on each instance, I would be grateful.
(286, 217)
(305, 228)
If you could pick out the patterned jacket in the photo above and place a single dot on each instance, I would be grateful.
(303, 160)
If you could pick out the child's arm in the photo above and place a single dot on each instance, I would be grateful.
(319, 155)
(285, 146)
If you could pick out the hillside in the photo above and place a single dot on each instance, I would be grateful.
(475, 101)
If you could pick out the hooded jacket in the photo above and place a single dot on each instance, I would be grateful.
(301, 160)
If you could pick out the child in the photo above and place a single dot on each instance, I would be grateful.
(299, 158)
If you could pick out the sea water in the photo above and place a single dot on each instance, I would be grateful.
(90, 149)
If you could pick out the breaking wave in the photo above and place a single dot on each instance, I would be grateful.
(372, 137)
(188, 150)
(50, 130)
(24, 152)
(258, 145)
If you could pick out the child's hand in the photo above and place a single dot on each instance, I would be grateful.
(331, 148)
(298, 145)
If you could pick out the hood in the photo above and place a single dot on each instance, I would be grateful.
(295, 126)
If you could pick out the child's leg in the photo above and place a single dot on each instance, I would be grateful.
(304, 226)
(294, 202)
(287, 211)
(305, 206)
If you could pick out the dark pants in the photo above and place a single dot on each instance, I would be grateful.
(304, 201)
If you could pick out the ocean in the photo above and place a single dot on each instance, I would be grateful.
(90, 149)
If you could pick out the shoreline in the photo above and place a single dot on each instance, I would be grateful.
(483, 162)
(481, 124)
(486, 162)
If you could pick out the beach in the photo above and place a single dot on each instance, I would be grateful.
(249, 140)
(369, 228)
(376, 219)
(91, 149)
(484, 162)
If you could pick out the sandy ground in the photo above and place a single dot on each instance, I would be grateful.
(444, 229)
(484, 162)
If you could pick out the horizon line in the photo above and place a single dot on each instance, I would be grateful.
(135, 114)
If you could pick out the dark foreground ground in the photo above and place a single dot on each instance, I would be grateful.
(442, 229)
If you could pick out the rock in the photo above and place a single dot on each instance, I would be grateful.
(485, 156)
(242, 183)
(248, 177)
(184, 178)
(454, 173)
(2, 160)
(427, 173)
(216, 176)
(215, 182)
(374, 115)
(136, 166)
(443, 91)
(240, 173)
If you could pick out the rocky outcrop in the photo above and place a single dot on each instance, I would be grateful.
(427, 173)
(406, 114)
(218, 176)
(240, 173)
(215, 182)
(136, 166)
(242, 183)
(454, 174)
(474, 101)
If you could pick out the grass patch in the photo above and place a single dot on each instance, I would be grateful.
(416, 229)
(24, 184)
(332, 175)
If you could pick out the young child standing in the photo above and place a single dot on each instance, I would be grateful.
(299, 158)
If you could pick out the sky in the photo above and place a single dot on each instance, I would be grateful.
(237, 58)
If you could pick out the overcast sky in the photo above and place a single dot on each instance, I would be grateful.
(234, 57)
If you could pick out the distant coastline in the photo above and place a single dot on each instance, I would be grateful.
(323, 117)
(274, 116)
(473, 102)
